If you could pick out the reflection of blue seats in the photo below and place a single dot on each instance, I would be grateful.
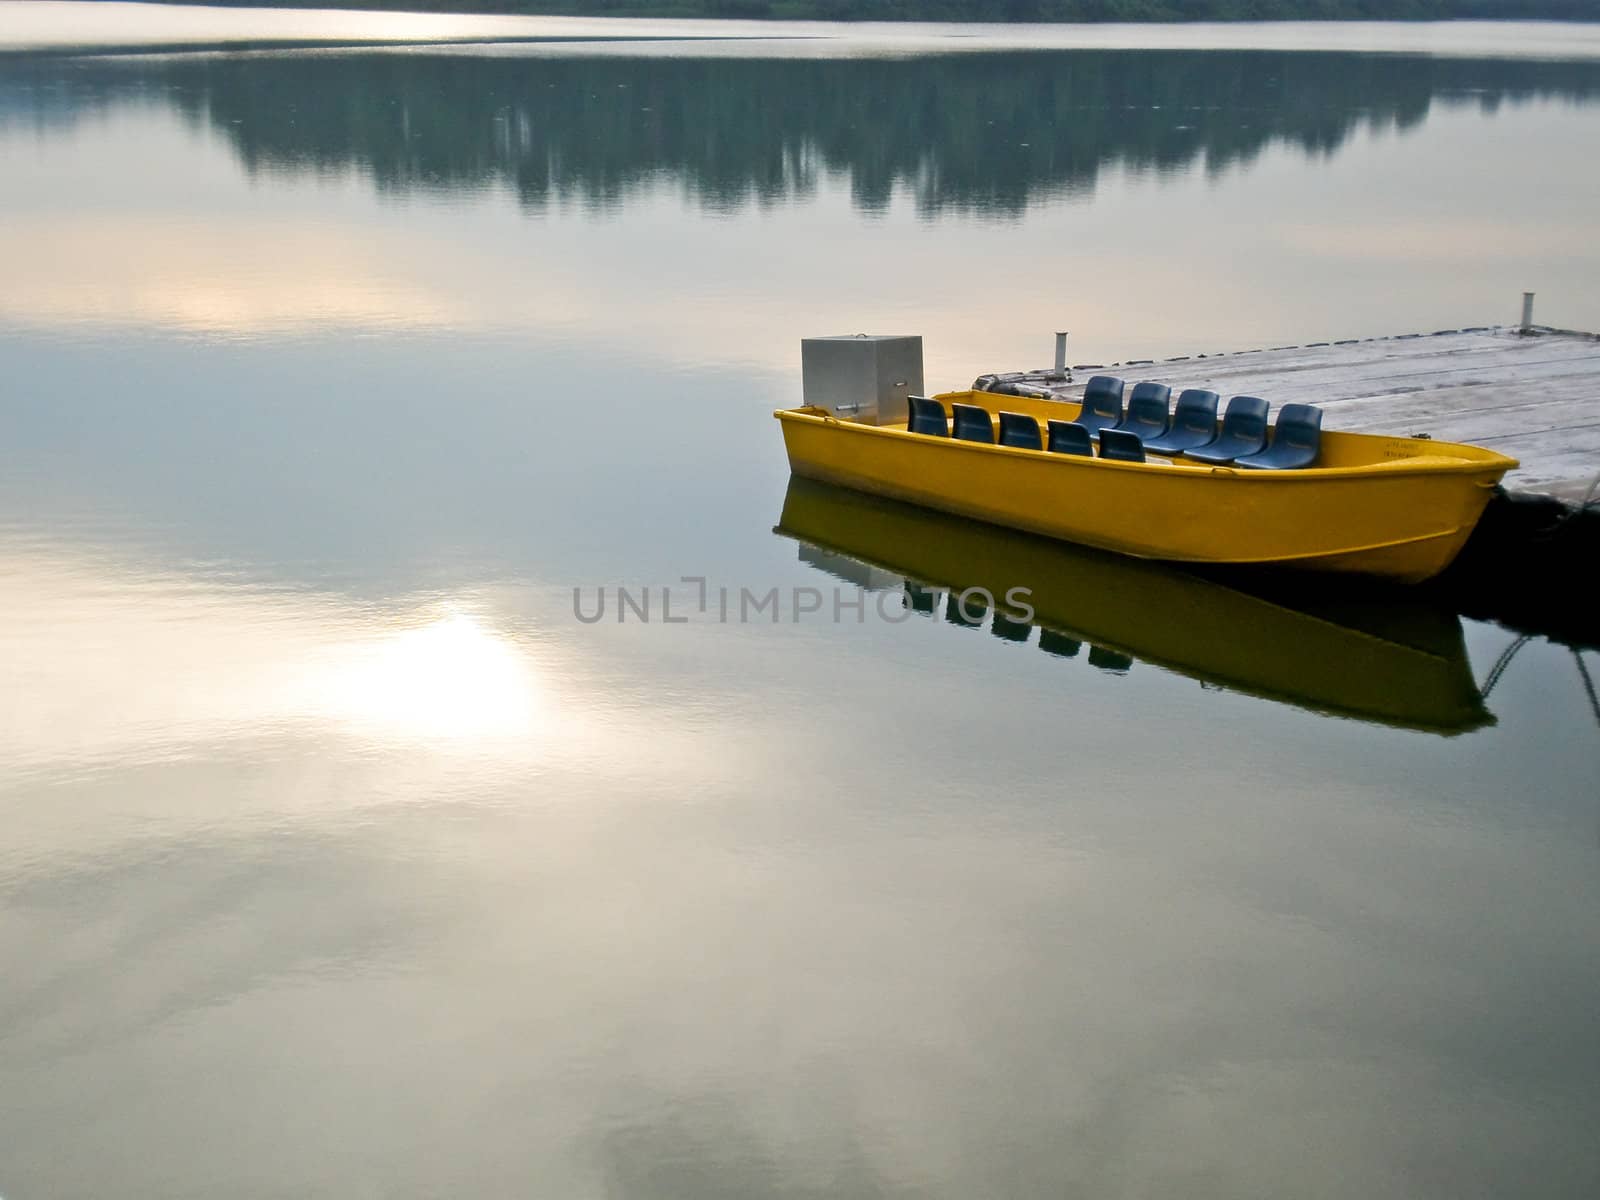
(972, 424)
(966, 608)
(927, 416)
(1005, 628)
(1296, 439)
(1017, 429)
(1119, 445)
(1244, 431)
(1109, 660)
(1194, 423)
(1147, 410)
(1068, 437)
(1062, 645)
(1102, 404)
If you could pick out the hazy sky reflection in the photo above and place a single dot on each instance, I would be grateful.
(341, 859)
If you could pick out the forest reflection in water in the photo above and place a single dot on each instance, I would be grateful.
(981, 132)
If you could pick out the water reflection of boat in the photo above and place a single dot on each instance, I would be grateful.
(1383, 657)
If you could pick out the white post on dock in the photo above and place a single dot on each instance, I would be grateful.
(1527, 313)
(1061, 352)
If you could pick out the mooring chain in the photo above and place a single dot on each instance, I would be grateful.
(1510, 652)
(1588, 684)
(1501, 663)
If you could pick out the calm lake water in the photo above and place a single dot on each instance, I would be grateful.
(342, 858)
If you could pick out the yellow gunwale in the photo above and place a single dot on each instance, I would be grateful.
(1441, 457)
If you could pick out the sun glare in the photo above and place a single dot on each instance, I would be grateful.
(451, 679)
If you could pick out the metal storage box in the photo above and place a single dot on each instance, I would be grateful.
(862, 378)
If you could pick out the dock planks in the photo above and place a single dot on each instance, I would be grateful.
(1534, 396)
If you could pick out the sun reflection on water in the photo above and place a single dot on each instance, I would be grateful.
(111, 660)
(454, 679)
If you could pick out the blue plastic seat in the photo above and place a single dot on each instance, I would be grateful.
(1102, 404)
(1194, 423)
(1068, 437)
(1020, 430)
(1296, 439)
(1119, 445)
(972, 424)
(927, 416)
(1244, 431)
(1147, 410)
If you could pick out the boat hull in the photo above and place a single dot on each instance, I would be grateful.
(1404, 516)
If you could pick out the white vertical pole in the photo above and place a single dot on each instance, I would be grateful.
(1061, 352)
(1527, 312)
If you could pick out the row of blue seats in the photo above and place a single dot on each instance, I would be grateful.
(1191, 430)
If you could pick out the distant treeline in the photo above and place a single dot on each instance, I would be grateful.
(1087, 11)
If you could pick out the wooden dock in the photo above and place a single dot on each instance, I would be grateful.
(1532, 395)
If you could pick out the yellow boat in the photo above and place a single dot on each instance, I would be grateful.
(1349, 651)
(1395, 507)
